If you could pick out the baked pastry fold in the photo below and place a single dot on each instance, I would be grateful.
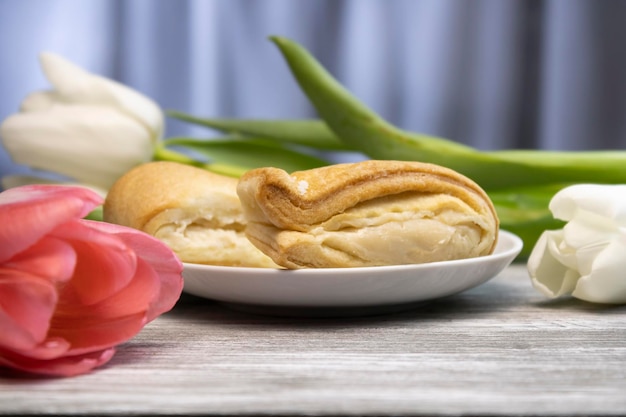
(368, 213)
(195, 212)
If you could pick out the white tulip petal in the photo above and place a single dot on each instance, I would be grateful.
(547, 273)
(586, 236)
(606, 283)
(562, 252)
(607, 201)
(137, 106)
(79, 86)
(586, 257)
(70, 80)
(570, 280)
(93, 145)
(39, 101)
(588, 229)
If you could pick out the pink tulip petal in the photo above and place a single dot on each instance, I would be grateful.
(87, 334)
(160, 257)
(27, 304)
(51, 348)
(63, 366)
(105, 263)
(135, 298)
(50, 258)
(31, 211)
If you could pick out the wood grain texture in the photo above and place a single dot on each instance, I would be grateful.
(498, 349)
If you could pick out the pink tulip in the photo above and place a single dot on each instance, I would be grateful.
(71, 290)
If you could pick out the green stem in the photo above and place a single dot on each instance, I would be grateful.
(361, 128)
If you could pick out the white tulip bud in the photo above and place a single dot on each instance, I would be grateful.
(87, 128)
(587, 258)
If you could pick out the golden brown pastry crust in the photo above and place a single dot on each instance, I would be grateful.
(293, 218)
(195, 212)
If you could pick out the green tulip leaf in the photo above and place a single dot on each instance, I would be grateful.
(234, 156)
(311, 133)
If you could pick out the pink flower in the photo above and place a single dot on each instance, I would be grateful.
(72, 289)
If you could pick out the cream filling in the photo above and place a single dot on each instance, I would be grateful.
(407, 229)
(210, 239)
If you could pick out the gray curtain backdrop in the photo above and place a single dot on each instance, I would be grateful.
(490, 73)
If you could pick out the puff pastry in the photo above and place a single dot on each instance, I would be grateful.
(368, 213)
(195, 212)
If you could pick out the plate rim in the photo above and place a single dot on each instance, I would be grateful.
(265, 296)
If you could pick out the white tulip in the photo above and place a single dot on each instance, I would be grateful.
(587, 258)
(87, 128)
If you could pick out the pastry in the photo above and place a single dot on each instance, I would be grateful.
(195, 212)
(368, 213)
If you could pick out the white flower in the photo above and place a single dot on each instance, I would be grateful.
(87, 128)
(587, 258)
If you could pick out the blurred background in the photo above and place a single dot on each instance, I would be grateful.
(545, 74)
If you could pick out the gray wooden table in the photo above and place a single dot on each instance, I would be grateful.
(498, 349)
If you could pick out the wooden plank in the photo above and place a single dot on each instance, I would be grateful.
(498, 349)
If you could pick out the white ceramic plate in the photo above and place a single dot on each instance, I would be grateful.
(346, 288)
